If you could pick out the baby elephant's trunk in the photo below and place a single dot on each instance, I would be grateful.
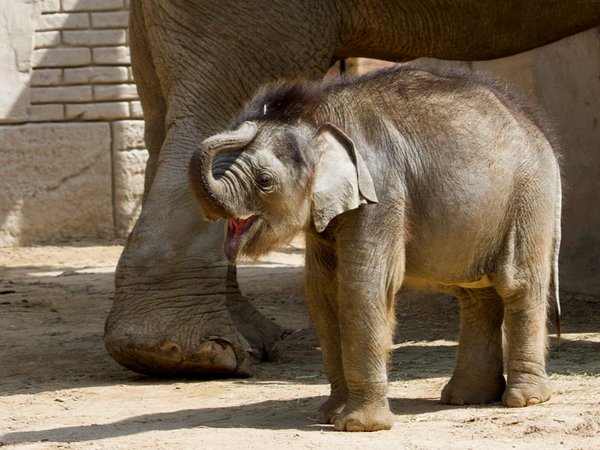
(210, 193)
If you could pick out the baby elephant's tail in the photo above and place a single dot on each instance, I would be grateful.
(554, 276)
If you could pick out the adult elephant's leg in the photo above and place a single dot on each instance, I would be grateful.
(177, 306)
(149, 89)
(261, 333)
(478, 376)
(170, 313)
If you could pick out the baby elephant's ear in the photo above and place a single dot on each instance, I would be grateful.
(342, 181)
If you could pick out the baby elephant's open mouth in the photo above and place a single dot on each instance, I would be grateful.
(236, 230)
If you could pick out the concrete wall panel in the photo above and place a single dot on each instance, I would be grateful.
(55, 182)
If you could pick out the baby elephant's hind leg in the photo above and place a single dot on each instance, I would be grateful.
(525, 318)
(523, 281)
(478, 377)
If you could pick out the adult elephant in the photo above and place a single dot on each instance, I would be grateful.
(177, 306)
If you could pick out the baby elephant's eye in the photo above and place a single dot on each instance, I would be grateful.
(264, 180)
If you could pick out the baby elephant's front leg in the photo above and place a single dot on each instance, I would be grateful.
(365, 334)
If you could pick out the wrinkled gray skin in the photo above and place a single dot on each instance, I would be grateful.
(400, 177)
(177, 309)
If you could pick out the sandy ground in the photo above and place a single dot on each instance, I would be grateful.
(59, 388)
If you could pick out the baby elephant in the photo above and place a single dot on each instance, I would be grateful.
(400, 176)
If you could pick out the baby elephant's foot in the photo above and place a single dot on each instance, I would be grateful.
(371, 417)
(526, 389)
(466, 391)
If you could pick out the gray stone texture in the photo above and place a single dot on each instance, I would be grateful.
(129, 164)
(97, 111)
(50, 6)
(96, 74)
(62, 57)
(135, 109)
(61, 94)
(17, 24)
(63, 21)
(91, 5)
(46, 77)
(115, 92)
(111, 55)
(44, 39)
(93, 38)
(46, 113)
(129, 169)
(128, 135)
(118, 19)
(55, 182)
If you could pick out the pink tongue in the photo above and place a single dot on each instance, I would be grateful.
(235, 229)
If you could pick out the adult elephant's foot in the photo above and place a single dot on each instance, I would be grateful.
(187, 322)
(473, 390)
(525, 389)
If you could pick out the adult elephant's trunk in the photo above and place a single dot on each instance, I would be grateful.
(210, 193)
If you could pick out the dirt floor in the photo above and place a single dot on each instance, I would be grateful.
(59, 388)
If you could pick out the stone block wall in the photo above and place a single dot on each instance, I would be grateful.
(72, 155)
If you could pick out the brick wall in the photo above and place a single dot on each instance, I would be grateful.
(81, 63)
(72, 156)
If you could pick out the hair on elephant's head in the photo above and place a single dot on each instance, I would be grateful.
(272, 180)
